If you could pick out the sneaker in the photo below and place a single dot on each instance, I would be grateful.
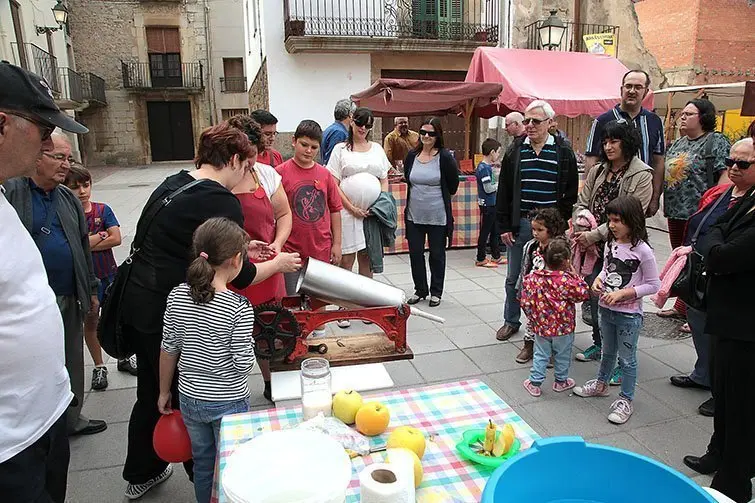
(560, 386)
(136, 491)
(590, 354)
(318, 332)
(414, 299)
(99, 378)
(592, 388)
(532, 388)
(128, 365)
(621, 411)
(343, 323)
(616, 377)
(486, 263)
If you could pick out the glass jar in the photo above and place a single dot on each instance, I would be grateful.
(316, 393)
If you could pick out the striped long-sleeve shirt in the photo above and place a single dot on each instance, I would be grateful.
(539, 175)
(214, 341)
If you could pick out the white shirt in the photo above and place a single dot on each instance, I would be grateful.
(269, 178)
(34, 386)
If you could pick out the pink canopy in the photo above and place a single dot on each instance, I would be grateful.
(574, 83)
(390, 97)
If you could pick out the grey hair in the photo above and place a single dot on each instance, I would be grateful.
(514, 118)
(744, 141)
(396, 119)
(542, 105)
(343, 109)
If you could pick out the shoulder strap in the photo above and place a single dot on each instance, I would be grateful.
(39, 235)
(153, 210)
(707, 214)
(709, 159)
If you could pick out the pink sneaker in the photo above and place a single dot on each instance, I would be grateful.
(592, 387)
(533, 389)
(560, 386)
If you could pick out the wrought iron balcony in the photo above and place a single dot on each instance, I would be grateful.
(232, 84)
(162, 73)
(391, 24)
(94, 89)
(72, 85)
(39, 61)
(573, 40)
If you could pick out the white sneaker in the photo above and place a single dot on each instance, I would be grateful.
(621, 411)
(136, 491)
(318, 332)
(592, 388)
(343, 323)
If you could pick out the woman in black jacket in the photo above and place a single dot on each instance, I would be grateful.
(731, 270)
(432, 177)
(160, 264)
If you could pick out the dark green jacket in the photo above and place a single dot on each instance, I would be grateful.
(380, 229)
(73, 221)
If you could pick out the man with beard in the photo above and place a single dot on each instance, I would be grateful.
(399, 142)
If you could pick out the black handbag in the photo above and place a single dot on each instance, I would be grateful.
(692, 283)
(110, 327)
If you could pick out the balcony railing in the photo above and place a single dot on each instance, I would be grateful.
(232, 84)
(39, 61)
(72, 85)
(94, 89)
(138, 75)
(573, 40)
(459, 20)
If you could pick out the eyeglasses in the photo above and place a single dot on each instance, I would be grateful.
(425, 132)
(45, 129)
(60, 157)
(536, 122)
(633, 87)
(741, 164)
(688, 114)
(366, 125)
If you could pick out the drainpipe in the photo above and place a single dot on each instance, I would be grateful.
(210, 74)
(576, 29)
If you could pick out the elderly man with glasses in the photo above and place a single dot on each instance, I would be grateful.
(55, 219)
(538, 171)
(635, 85)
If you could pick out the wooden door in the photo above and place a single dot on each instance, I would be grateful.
(15, 15)
(171, 135)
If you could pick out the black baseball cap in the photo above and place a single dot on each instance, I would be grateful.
(28, 93)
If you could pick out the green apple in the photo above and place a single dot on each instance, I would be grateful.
(346, 403)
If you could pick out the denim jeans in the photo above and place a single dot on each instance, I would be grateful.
(202, 419)
(701, 340)
(511, 310)
(620, 333)
(560, 348)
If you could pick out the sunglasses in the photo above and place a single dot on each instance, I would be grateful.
(45, 129)
(425, 132)
(741, 164)
(536, 122)
(366, 125)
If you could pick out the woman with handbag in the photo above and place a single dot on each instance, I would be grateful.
(714, 203)
(158, 263)
(727, 249)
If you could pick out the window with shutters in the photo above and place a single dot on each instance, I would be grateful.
(227, 113)
(164, 50)
(233, 80)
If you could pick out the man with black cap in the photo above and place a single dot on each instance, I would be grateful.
(35, 390)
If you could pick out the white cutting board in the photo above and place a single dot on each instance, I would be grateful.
(372, 376)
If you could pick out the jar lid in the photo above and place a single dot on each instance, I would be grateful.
(315, 367)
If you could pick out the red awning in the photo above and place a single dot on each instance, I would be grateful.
(574, 83)
(387, 97)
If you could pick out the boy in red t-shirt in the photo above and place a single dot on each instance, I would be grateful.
(315, 202)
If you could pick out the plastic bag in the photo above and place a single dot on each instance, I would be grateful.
(352, 441)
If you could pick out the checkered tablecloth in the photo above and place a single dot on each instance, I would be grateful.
(443, 412)
(464, 207)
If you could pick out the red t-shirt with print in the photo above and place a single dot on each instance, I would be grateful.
(313, 196)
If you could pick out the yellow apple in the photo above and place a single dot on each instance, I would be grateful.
(408, 438)
(372, 419)
(346, 403)
(408, 456)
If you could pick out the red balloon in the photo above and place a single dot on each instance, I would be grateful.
(171, 439)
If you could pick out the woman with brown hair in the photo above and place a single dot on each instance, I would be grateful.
(160, 264)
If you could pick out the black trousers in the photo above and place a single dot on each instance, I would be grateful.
(142, 463)
(594, 301)
(733, 440)
(436, 237)
(39, 473)
(488, 234)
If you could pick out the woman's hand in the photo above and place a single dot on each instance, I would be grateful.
(259, 250)
(597, 286)
(287, 262)
(275, 248)
(357, 211)
(581, 239)
(163, 403)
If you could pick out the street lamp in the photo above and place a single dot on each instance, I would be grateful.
(61, 17)
(551, 32)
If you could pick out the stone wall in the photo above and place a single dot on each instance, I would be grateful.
(106, 32)
(259, 97)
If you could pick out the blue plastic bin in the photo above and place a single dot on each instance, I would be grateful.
(569, 470)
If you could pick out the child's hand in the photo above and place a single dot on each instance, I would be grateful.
(259, 250)
(288, 262)
(335, 255)
(618, 296)
(275, 248)
(597, 286)
(163, 403)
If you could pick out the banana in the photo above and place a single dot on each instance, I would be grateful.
(490, 431)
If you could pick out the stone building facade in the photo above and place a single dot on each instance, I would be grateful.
(153, 56)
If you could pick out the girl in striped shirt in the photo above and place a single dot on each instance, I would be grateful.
(207, 333)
